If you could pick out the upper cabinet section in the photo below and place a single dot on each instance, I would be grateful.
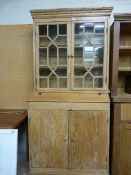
(71, 48)
(121, 57)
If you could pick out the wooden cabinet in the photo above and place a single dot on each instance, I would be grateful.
(69, 136)
(121, 94)
(120, 56)
(125, 148)
(71, 48)
(69, 111)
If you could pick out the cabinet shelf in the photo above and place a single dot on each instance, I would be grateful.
(125, 49)
(126, 69)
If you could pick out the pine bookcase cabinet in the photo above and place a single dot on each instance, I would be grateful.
(121, 94)
(70, 107)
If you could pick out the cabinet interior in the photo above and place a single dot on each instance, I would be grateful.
(124, 64)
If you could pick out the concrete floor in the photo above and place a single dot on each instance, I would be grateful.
(22, 163)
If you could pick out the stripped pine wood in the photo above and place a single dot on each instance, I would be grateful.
(48, 138)
(85, 144)
(70, 97)
(68, 172)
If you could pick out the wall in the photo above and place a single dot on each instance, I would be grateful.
(16, 67)
(17, 12)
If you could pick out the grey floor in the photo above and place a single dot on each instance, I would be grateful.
(22, 167)
(22, 163)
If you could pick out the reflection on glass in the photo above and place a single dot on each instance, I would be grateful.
(44, 71)
(43, 56)
(79, 71)
(99, 27)
(98, 82)
(61, 40)
(62, 29)
(97, 71)
(62, 56)
(44, 41)
(42, 29)
(53, 81)
(99, 53)
(89, 28)
(88, 81)
(80, 40)
(78, 55)
(61, 71)
(79, 27)
(78, 82)
(52, 31)
(98, 39)
(88, 53)
(52, 55)
(43, 82)
(62, 82)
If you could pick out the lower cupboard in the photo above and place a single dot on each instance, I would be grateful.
(73, 138)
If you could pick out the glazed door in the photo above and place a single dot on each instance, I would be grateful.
(88, 49)
(88, 139)
(48, 138)
(52, 51)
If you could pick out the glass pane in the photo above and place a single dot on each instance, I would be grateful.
(43, 56)
(99, 27)
(78, 82)
(53, 81)
(98, 39)
(79, 71)
(80, 40)
(99, 53)
(79, 28)
(44, 71)
(88, 81)
(88, 54)
(43, 83)
(62, 82)
(97, 71)
(52, 31)
(53, 56)
(62, 29)
(61, 40)
(42, 29)
(78, 55)
(61, 71)
(98, 82)
(63, 56)
(89, 28)
(44, 41)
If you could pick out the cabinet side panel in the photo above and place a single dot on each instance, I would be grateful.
(88, 139)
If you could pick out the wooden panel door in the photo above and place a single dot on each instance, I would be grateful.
(125, 149)
(48, 133)
(88, 135)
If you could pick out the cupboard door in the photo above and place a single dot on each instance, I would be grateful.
(88, 135)
(125, 149)
(48, 133)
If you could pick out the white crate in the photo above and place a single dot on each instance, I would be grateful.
(8, 151)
